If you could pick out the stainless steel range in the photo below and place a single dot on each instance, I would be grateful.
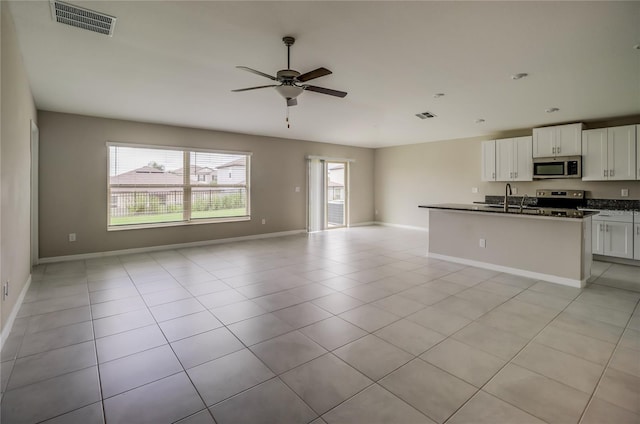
(560, 202)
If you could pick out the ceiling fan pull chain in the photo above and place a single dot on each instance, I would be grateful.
(288, 125)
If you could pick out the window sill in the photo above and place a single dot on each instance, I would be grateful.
(178, 223)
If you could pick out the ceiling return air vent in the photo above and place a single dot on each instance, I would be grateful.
(82, 18)
(425, 115)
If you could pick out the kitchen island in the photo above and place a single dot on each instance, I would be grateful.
(517, 241)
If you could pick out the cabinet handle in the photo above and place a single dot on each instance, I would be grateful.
(638, 230)
(516, 175)
(601, 227)
(493, 175)
(606, 228)
(553, 150)
(611, 173)
(557, 149)
(606, 172)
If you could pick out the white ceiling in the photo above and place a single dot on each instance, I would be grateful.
(174, 62)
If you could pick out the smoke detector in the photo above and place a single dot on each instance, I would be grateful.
(82, 18)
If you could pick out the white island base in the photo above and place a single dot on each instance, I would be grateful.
(553, 249)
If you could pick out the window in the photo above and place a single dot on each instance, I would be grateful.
(161, 186)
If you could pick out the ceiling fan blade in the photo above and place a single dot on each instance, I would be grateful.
(325, 90)
(254, 88)
(253, 71)
(292, 102)
(316, 73)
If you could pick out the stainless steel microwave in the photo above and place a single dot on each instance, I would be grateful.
(559, 167)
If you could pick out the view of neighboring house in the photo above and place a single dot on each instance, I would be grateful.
(159, 190)
(336, 181)
(200, 174)
(233, 172)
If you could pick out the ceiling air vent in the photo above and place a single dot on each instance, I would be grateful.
(80, 17)
(425, 115)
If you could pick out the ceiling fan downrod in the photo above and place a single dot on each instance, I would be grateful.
(288, 41)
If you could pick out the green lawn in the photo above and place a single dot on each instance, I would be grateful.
(174, 217)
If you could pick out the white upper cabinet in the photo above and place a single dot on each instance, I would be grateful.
(594, 154)
(637, 152)
(559, 140)
(621, 154)
(523, 159)
(609, 154)
(513, 159)
(504, 159)
(544, 142)
(489, 160)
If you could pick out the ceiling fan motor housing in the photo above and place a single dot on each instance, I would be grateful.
(287, 75)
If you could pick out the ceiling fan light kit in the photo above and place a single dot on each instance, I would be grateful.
(291, 82)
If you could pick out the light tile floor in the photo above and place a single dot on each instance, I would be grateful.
(346, 326)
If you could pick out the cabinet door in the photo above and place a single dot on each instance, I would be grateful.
(523, 162)
(597, 237)
(618, 239)
(568, 140)
(504, 159)
(594, 155)
(489, 160)
(636, 241)
(544, 142)
(638, 152)
(621, 153)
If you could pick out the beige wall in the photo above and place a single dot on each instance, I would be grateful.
(17, 111)
(446, 171)
(73, 183)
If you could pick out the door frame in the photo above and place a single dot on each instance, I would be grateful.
(35, 148)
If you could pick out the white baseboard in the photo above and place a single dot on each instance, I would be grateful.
(406, 227)
(83, 256)
(362, 224)
(516, 271)
(12, 316)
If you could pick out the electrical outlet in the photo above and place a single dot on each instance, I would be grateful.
(624, 192)
(483, 243)
(264, 221)
(474, 189)
(72, 237)
(376, 211)
(297, 189)
(514, 190)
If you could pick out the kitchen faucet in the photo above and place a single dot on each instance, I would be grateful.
(507, 193)
(522, 202)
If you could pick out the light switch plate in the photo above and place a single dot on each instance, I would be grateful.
(624, 192)
(474, 189)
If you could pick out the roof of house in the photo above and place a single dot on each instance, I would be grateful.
(147, 175)
(237, 162)
(195, 169)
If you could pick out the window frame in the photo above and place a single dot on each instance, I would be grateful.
(186, 187)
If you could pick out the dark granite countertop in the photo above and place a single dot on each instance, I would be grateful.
(513, 210)
(597, 204)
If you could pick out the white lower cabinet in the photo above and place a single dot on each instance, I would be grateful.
(636, 241)
(613, 234)
(597, 237)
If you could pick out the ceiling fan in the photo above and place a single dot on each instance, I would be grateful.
(291, 82)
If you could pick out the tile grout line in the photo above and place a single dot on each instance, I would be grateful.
(606, 367)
